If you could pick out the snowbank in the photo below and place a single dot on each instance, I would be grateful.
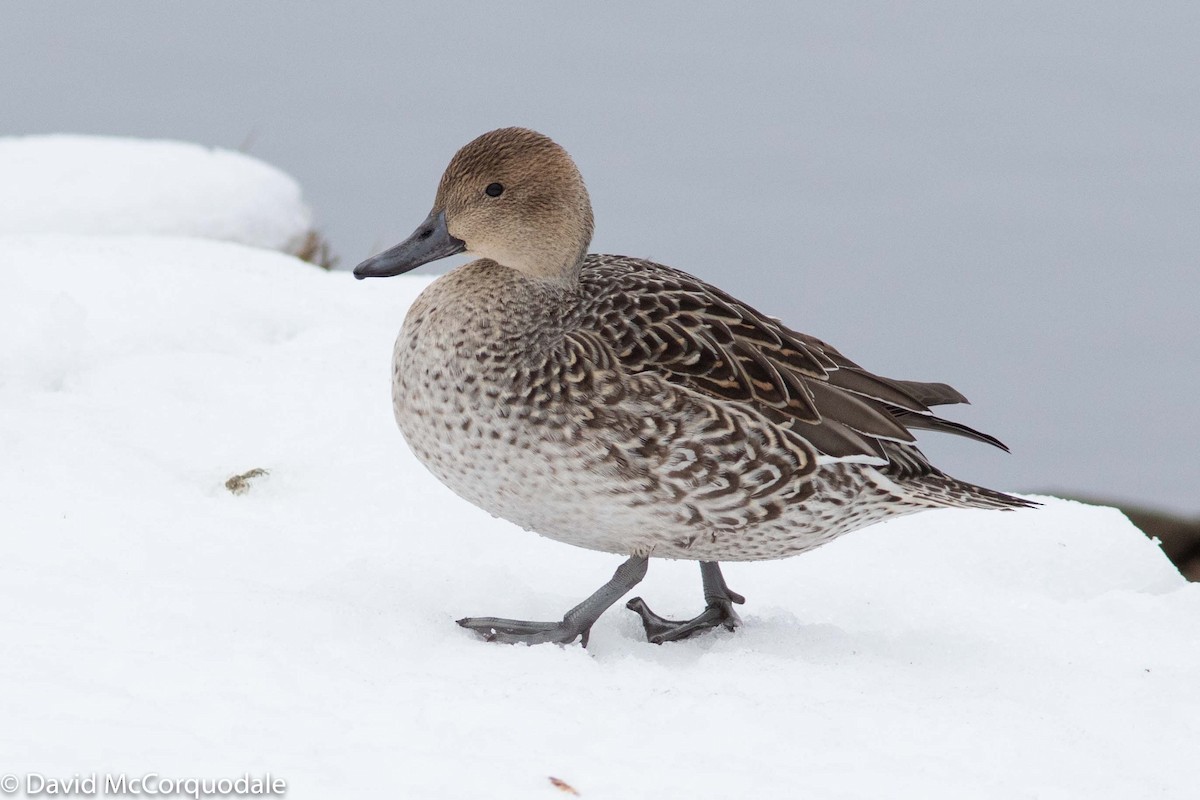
(155, 621)
(102, 185)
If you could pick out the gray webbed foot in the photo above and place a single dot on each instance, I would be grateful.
(517, 631)
(575, 624)
(718, 612)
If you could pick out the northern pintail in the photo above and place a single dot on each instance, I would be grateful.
(621, 405)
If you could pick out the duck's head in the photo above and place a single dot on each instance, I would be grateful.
(512, 196)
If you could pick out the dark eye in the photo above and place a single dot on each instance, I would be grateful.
(494, 190)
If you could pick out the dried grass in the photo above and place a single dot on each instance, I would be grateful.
(315, 250)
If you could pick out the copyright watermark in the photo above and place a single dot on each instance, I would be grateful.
(149, 784)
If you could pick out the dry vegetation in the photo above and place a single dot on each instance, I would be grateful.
(315, 250)
(240, 484)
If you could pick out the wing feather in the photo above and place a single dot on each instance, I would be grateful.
(657, 319)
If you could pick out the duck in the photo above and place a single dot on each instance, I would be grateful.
(624, 406)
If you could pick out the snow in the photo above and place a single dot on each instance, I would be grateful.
(103, 185)
(153, 620)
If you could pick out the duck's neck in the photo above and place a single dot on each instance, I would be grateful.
(555, 254)
(548, 268)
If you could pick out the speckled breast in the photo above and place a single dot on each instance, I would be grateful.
(474, 396)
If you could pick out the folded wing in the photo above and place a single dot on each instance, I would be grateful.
(692, 334)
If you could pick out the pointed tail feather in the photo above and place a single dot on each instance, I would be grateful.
(942, 490)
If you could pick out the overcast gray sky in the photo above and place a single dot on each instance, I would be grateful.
(1003, 198)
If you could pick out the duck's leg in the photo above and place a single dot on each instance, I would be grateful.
(719, 610)
(576, 623)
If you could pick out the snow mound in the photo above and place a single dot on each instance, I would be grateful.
(107, 185)
(301, 622)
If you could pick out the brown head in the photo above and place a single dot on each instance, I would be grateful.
(512, 196)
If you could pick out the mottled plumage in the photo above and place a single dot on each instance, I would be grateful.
(620, 405)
